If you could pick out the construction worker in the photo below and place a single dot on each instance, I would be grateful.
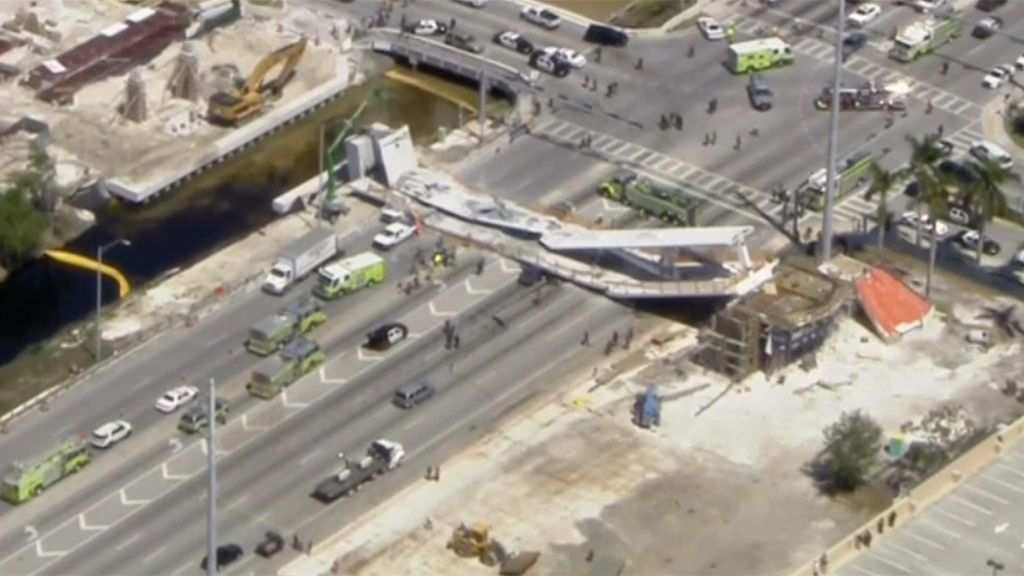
(945, 68)
(480, 267)
(730, 32)
(440, 258)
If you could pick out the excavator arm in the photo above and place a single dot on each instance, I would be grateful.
(288, 55)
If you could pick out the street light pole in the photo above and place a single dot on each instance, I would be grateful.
(825, 244)
(99, 291)
(211, 496)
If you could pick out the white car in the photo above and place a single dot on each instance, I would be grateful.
(1020, 62)
(514, 41)
(567, 55)
(176, 398)
(910, 218)
(393, 235)
(473, 3)
(710, 28)
(1019, 258)
(427, 27)
(997, 76)
(110, 433)
(864, 14)
(541, 17)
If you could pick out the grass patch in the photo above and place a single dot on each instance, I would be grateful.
(599, 10)
(650, 13)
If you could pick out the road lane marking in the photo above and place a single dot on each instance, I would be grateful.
(1010, 469)
(127, 542)
(153, 554)
(906, 551)
(863, 570)
(325, 380)
(309, 457)
(250, 428)
(125, 501)
(204, 445)
(1001, 528)
(1001, 483)
(439, 313)
(168, 476)
(85, 527)
(365, 356)
(877, 556)
(289, 404)
(925, 541)
(936, 527)
(475, 291)
(956, 517)
(509, 267)
(175, 445)
(412, 423)
(981, 492)
(44, 554)
(970, 505)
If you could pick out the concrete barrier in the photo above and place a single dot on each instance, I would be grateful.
(918, 499)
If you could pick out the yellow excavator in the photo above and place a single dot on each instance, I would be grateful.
(248, 98)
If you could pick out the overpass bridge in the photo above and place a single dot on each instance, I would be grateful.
(615, 262)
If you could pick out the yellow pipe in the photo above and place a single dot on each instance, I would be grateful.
(124, 288)
(401, 75)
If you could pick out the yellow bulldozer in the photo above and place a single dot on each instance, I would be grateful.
(476, 542)
(246, 99)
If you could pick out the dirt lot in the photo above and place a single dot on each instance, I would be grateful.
(722, 492)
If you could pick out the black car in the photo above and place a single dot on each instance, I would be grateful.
(531, 276)
(605, 36)
(514, 41)
(386, 336)
(226, 555)
(853, 43)
(989, 5)
(465, 42)
(987, 27)
(761, 96)
(959, 173)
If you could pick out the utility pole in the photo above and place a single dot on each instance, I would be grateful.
(483, 105)
(99, 291)
(211, 491)
(825, 244)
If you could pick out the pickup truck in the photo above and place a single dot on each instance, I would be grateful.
(381, 457)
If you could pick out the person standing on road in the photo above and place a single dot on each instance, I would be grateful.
(640, 63)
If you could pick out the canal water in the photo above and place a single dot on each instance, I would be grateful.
(216, 208)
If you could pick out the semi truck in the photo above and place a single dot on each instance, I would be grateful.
(349, 275)
(924, 37)
(298, 358)
(271, 333)
(300, 258)
(26, 480)
(381, 457)
(760, 54)
(852, 174)
(867, 96)
(667, 204)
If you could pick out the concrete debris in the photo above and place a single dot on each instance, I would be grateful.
(942, 427)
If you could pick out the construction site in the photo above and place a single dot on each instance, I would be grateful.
(143, 95)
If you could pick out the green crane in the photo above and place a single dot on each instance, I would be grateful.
(377, 95)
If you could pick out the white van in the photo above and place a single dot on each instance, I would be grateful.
(985, 150)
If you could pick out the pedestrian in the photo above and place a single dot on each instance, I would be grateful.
(497, 320)
(945, 68)
(640, 63)
(586, 338)
(404, 23)
(663, 122)
(309, 548)
(457, 341)
(714, 137)
(451, 25)
(615, 337)
(296, 543)
(691, 51)
(739, 142)
(593, 85)
(629, 339)
(940, 130)
(609, 90)
(480, 267)
(712, 105)
(586, 80)
(679, 122)
(707, 139)
(928, 107)
(597, 55)
(448, 327)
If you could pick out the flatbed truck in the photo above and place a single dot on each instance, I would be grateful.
(381, 457)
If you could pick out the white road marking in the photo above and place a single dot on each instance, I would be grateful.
(1010, 469)
(1001, 528)
(906, 551)
(863, 570)
(877, 556)
(970, 505)
(168, 476)
(412, 423)
(175, 445)
(44, 554)
(127, 542)
(936, 527)
(85, 527)
(249, 427)
(981, 492)
(509, 267)
(956, 517)
(324, 379)
(31, 533)
(366, 356)
(125, 501)
(1016, 489)
(439, 313)
(475, 291)
(289, 404)
(153, 554)
(924, 540)
(309, 457)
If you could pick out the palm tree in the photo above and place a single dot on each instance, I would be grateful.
(881, 182)
(985, 197)
(925, 154)
(933, 192)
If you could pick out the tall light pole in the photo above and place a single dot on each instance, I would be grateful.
(211, 495)
(99, 291)
(825, 245)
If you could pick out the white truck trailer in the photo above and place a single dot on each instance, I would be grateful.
(300, 258)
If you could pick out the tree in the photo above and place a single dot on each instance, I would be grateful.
(932, 191)
(985, 196)
(881, 182)
(22, 227)
(852, 447)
